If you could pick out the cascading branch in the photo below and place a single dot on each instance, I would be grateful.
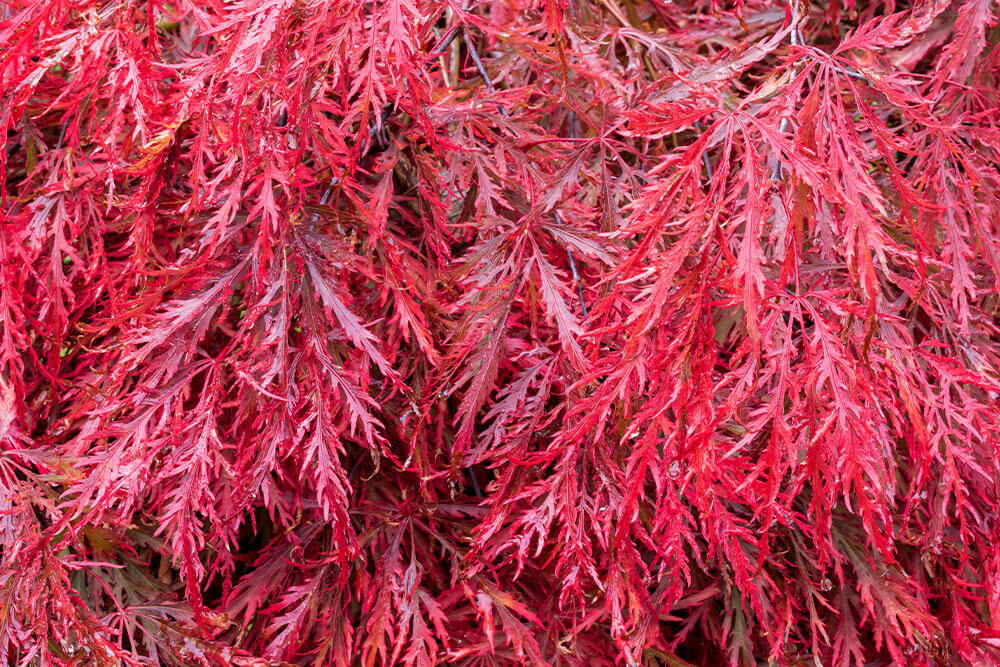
(569, 332)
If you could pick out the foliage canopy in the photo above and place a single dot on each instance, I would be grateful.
(569, 332)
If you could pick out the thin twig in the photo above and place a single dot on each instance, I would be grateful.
(386, 110)
(354, 470)
(62, 135)
(476, 491)
(444, 43)
(849, 73)
(579, 283)
(796, 39)
(326, 195)
(572, 268)
(705, 160)
(440, 56)
(574, 128)
(474, 54)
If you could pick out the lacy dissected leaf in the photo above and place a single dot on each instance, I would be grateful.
(591, 333)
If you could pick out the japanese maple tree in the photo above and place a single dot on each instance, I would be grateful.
(547, 332)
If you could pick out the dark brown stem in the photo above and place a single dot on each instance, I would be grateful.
(474, 54)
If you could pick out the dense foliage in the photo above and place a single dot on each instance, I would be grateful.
(569, 332)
